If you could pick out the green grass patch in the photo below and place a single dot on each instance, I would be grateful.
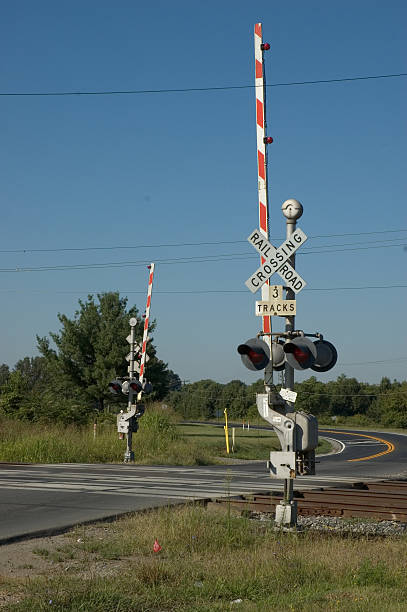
(250, 444)
(160, 440)
(157, 442)
(209, 559)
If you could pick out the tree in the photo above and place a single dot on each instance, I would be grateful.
(235, 399)
(22, 394)
(91, 349)
(174, 381)
(201, 399)
(4, 373)
(34, 372)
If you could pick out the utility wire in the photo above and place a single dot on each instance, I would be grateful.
(182, 244)
(197, 89)
(173, 260)
(191, 394)
(190, 291)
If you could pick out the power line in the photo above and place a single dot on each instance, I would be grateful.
(396, 359)
(191, 394)
(182, 244)
(174, 260)
(190, 291)
(197, 89)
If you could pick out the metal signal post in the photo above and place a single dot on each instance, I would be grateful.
(290, 349)
(134, 384)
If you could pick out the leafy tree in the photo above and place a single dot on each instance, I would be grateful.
(390, 407)
(12, 394)
(34, 372)
(4, 373)
(174, 381)
(234, 398)
(91, 349)
(312, 397)
(197, 400)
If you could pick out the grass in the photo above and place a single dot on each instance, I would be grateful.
(159, 441)
(209, 559)
(156, 442)
(249, 444)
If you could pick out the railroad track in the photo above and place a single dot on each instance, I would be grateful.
(383, 500)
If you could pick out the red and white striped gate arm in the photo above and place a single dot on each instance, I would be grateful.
(147, 316)
(260, 90)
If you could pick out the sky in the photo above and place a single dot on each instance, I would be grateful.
(128, 179)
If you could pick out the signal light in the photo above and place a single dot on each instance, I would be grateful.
(268, 140)
(265, 46)
(115, 386)
(135, 385)
(147, 387)
(255, 354)
(300, 353)
(131, 385)
(326, 356)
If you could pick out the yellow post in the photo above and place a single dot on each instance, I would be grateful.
(225, 427)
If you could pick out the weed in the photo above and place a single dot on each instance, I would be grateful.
(210, 558)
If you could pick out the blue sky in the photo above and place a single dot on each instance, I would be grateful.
(146, 170)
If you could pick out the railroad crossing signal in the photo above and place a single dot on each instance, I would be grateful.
(276, 260)
(300, 353)
(132, 385)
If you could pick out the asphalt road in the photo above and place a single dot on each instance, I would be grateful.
(44, 499)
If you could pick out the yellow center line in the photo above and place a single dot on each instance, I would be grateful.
(389, 449)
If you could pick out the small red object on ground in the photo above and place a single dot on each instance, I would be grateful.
(156, 547)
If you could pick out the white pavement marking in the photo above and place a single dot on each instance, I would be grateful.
(365, 443)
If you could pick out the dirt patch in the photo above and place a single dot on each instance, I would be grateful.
(53, 554)
(21, 559)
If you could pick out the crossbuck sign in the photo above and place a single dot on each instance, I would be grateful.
(276, 260)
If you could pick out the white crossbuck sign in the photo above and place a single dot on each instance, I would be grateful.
(276, 260)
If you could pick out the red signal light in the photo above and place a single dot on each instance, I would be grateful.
(115, 386)
(300, 355)
(135, 385)
(265, 47)
(254, 353)
(255, 357)
(268, 140)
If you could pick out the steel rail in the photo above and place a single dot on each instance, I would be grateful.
(382, 500)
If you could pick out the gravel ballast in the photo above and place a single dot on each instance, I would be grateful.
(334, 524)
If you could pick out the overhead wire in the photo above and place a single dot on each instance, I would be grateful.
(191, 291)
(109, 92)
(247, 396)
(180, 260)
(182, 244)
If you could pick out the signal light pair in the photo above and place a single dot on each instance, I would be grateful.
(116, 386)
(300, 353)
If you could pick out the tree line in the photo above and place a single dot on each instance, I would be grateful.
(341, 400)
(68, 381)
